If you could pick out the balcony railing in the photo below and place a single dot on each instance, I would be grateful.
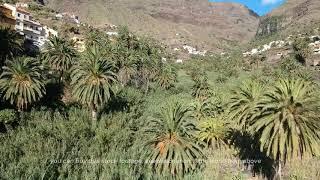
(32, 30)
(32, 22)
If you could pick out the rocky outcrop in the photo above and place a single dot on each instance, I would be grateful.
(292, 16)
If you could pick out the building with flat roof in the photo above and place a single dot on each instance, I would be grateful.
(27, 26)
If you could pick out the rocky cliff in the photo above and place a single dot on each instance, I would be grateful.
(293, 15)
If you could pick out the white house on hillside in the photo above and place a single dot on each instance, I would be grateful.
(30, 29)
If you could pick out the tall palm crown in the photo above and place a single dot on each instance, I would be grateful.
(166, 77)
(92, 78)
(172, 147)
(201, 89)
(149, 64)
(10, 44)
(244, 104)
(202, 109)
(59, 54)
(128, 69)
(213, 131)
(289, 123)
(22, 82)
(96, 37)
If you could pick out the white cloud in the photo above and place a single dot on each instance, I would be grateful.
(268, 2)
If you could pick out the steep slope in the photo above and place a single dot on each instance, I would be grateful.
(195, 22)
(293, 15)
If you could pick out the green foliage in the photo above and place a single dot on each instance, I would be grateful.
(213, 131)
(55, 146)
(216, 108)
(59, 55)
(92, 78)
(22, 82)
(7, 115)
(10, 44)
(244, 103)
(166, 77)
(201, 89)
(207, 108)
(289, 120)
(171, 147)
(96, 38)
(301, 49)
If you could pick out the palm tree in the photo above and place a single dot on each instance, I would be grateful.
(289, 123)
(126, 39)
(302, 50)
(244, 104)
(22, 82)
(201, 89)
(148, 67)
(10, 44)
(96, 37)
(127, 70)
(92, 79)
(172, 147)
(213, 131)
(166, 77)
(59, 55)
(202, 109)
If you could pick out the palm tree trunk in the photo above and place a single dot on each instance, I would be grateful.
(279, 170)
(147, 86)
(94, 117)
(20, 114)
(61, 77)
(278, 175)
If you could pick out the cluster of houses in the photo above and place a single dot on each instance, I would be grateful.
(111, 30)
(191, 50)
(18, 18)
(283, 45)
(266, 47)
(67, 16)
(79, 40)
(315, 45)
(194, 51)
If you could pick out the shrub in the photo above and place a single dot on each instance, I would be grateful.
(7, 116)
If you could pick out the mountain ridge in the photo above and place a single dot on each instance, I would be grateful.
(216, 26)
(175, 22)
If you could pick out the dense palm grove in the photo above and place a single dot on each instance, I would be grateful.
(122, 110)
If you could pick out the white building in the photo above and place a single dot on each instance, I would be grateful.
(25, 25)
(194, 51)
(59, 16)
(112, 33)
(179, 61)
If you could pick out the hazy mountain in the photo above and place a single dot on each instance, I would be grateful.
(175, 22)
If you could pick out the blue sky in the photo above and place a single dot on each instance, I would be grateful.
(259, 6)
